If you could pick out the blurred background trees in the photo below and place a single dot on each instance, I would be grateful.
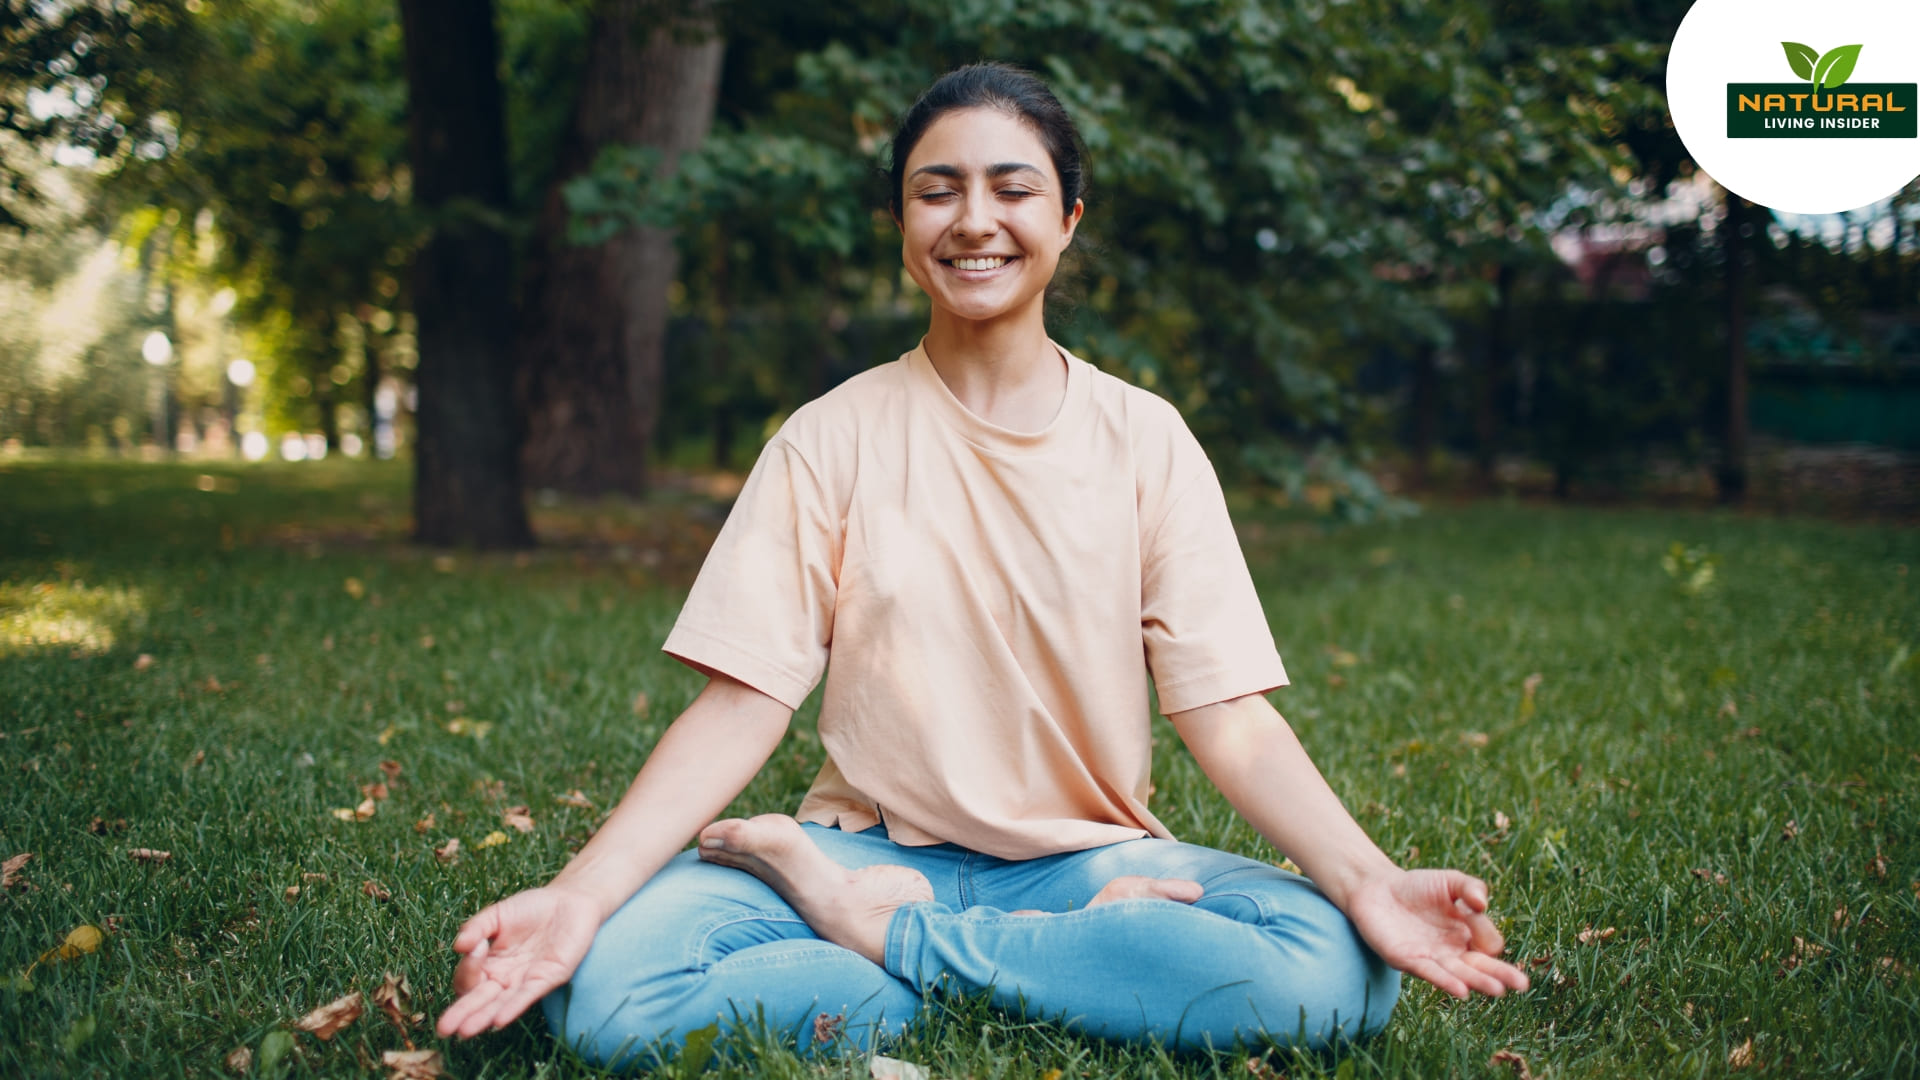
(1366, 247)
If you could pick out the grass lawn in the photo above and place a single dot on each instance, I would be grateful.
(1700, 813)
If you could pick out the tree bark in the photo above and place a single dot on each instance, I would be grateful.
(592, 353)
(467, 435)
(1494, 364)
(1733, 460)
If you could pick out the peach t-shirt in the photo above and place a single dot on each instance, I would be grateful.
(992, 602)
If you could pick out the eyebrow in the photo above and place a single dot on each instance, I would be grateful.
(994, 172)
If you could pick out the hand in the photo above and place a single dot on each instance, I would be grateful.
(1433, 924)
(513, 953)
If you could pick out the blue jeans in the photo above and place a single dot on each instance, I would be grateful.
(1263, 954)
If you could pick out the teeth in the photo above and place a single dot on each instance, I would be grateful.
(993, 263)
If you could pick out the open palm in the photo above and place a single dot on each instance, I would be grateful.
(1433, 924)
(515, 952)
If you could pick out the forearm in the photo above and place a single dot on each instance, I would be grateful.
(1252, 755)
(705, 759)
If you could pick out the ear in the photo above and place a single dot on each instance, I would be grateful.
(1071, 224)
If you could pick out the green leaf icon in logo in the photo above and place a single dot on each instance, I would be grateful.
(1801, 57)
(1836, 66)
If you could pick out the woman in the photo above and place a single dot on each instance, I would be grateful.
(996, 544)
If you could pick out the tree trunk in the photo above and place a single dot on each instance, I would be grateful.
(467, 436)
(597, 316)
(1426, 410)
(1493, 368)
(1733, 460)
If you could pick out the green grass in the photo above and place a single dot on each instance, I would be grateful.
(1649, 786)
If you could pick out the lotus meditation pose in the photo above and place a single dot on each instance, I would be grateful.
(986, 548)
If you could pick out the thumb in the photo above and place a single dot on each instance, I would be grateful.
(481, 927)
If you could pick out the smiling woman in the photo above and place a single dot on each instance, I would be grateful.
(997, 545)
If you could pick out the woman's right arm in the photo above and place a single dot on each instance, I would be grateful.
(517, 950)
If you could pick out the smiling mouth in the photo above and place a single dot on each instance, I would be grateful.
(987, 262)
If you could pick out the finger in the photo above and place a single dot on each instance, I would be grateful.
(1466, 972)
(467, 973)
(477, 929)
(1438, 976)
(1486, 936)
(515, 1002)
(462, 1009)
(1507, 973)
(483, 998)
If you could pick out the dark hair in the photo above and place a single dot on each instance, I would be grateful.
(993, 86)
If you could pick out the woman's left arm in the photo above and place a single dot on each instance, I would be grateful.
(1428, 923)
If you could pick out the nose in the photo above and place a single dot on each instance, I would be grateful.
(976, 217)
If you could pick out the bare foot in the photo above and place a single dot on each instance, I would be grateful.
(1134, 887)
(850, 908)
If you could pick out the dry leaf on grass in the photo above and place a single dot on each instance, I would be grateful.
(1590, 936)
(149, 855)
(10, 870)
(425, 824)
(1705, 874)
(327, 1020)
(490, 789)
(1259, 1068)
(641, 704)
(493, 839)
(292, 893)
(1803, 950)
(365, 810)
(239, 1060)
(79, 941)
(886, 1068)
(1877, 866)
(355, 588)
(1502, 821)
(449, 851)
(1512, 1061)
(392, 769)
(100, 826)
(375, 889)
(826, 1026)
(517, 818)
(395, 998)
(461, 725)
(312, 876)
(375, 791)
(575, 798)
(413, 1064)
(1790, 830)
(198, 757)
(143, 662)
(1741, 1056)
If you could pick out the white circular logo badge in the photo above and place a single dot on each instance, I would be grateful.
(1805, 108)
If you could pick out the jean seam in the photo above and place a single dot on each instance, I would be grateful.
(698, 948)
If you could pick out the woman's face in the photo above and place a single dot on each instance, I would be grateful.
(982, 222)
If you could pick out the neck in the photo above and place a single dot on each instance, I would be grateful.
(1004, 370)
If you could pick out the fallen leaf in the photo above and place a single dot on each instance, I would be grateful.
(461, 725)
(310, 876)
(491, 789)
(79, 941)
(574, 798)
(1729, 708)
(1259, 1068)
(292, 893)
(1705, 874)
(149, 855)
(374, 792)
(1474, 738)
(1877, 866)
(344, 813)
(1893, 967)
(493, 839)
(355, 588)
(239, 1060)
(1590, 936)
(1527, 688)
(826, 1026)
(386, 735)
(375, 889)
(1790, 830)
(10, 870)
(392, 769)
(449, 851)
(1803, 950)
(211, 684)
(1512, 1061)
(641, 704)
(101, 826)
(327, 1020)
(517, 818)
(425, 824)
(198, 757)
(886, 1068)
(142, 662)
(413, 1064)
(426, 641)
(1502, 821)
(1336, 680)
(1742, 1056)
(393, 998)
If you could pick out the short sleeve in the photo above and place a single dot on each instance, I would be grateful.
(761, 609)
(1207, 639)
